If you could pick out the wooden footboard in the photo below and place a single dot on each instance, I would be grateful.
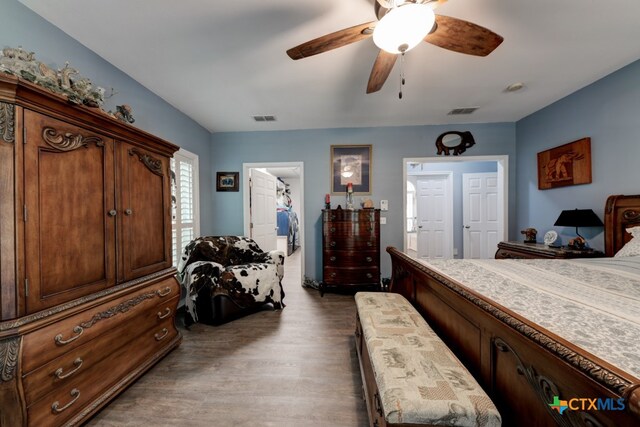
(522, 366)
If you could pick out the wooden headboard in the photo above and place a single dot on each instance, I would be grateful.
(620, 213)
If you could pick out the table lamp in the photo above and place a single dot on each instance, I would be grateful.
(578, 218)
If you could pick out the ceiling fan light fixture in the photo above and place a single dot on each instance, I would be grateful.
(403, 27)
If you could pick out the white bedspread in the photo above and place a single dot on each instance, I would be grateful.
(593, 303)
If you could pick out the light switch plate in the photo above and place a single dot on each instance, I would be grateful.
(383, 220)
(384, 205)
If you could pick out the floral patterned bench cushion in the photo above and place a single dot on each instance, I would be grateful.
(420, 381)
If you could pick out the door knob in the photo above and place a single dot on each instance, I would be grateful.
(112, 212)
(128, 212)
(467, 226)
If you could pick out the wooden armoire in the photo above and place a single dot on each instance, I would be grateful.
(87, 292)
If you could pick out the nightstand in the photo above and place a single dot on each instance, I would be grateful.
(520, 250)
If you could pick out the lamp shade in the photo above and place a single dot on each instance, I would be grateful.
(403, 27)
(578, 218)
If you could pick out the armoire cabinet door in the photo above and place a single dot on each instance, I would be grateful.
(145, 205)
(69, 212)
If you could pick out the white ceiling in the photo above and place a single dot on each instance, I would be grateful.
(223, 62)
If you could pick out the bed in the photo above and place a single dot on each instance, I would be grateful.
(525, 359)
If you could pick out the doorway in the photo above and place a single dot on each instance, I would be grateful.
(479, 226)
(288, 195)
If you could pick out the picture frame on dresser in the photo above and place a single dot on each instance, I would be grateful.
(351, 164)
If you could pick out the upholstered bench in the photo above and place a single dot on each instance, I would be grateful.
(410, 376)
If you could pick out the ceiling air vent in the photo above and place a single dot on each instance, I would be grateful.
(264, 118)
(459, 111)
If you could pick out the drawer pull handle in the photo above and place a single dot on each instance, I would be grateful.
(55, 408)
(332, 258)
(128, 212)
(369, 259)
(333, 274)
(167, 312)
(112, 212)
(77, 330)
(332, 244)
(369, 275)
(369, 244)
(59, 372)
(165, 292)
(333, 229)
(163, 333)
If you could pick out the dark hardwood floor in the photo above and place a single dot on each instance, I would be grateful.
(295, 367)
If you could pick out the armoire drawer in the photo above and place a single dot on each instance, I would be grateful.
(64, 369)
(44, 345)
(65, 401)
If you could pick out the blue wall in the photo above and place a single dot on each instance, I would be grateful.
(607, 111)
(19, 26)
(390, 146)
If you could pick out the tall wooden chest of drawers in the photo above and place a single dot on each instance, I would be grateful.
(350, 249)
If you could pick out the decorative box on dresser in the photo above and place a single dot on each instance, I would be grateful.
(87, 292)
(520, 250)
(350, 249)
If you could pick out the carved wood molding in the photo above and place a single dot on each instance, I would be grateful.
(591, 369)
(12, 324)
(631, 215)
(68, 141)
(123, 307)
(546, 390)
(153, 164)
(7, 122)
(9, 349)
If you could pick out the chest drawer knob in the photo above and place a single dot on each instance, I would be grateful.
(369, 244)
(332, 258)
(164, 292)
(333, 229)
(333, 274)
(369, 259)
(369, 275)
(60, 372)
(332, 244)
(56, 409)
(77, 330)
(160, 335)
(167, 312)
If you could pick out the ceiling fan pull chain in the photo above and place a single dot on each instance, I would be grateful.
(401, 75)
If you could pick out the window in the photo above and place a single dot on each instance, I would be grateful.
(185, 201)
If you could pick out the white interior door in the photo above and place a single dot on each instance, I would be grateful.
(263, 210)
(435, 216)
(482, 215)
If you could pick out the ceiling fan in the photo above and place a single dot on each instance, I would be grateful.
(401, 26)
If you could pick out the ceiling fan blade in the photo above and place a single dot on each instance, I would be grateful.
(380, 71)
(332, 41)
(463, 36)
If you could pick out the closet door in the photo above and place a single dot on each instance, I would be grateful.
(145, 203)
(69, 212)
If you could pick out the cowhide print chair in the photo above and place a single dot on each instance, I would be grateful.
(226, 277)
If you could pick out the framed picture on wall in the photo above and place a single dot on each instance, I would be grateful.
(227, 181)
(568, 164)
(351, 164)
